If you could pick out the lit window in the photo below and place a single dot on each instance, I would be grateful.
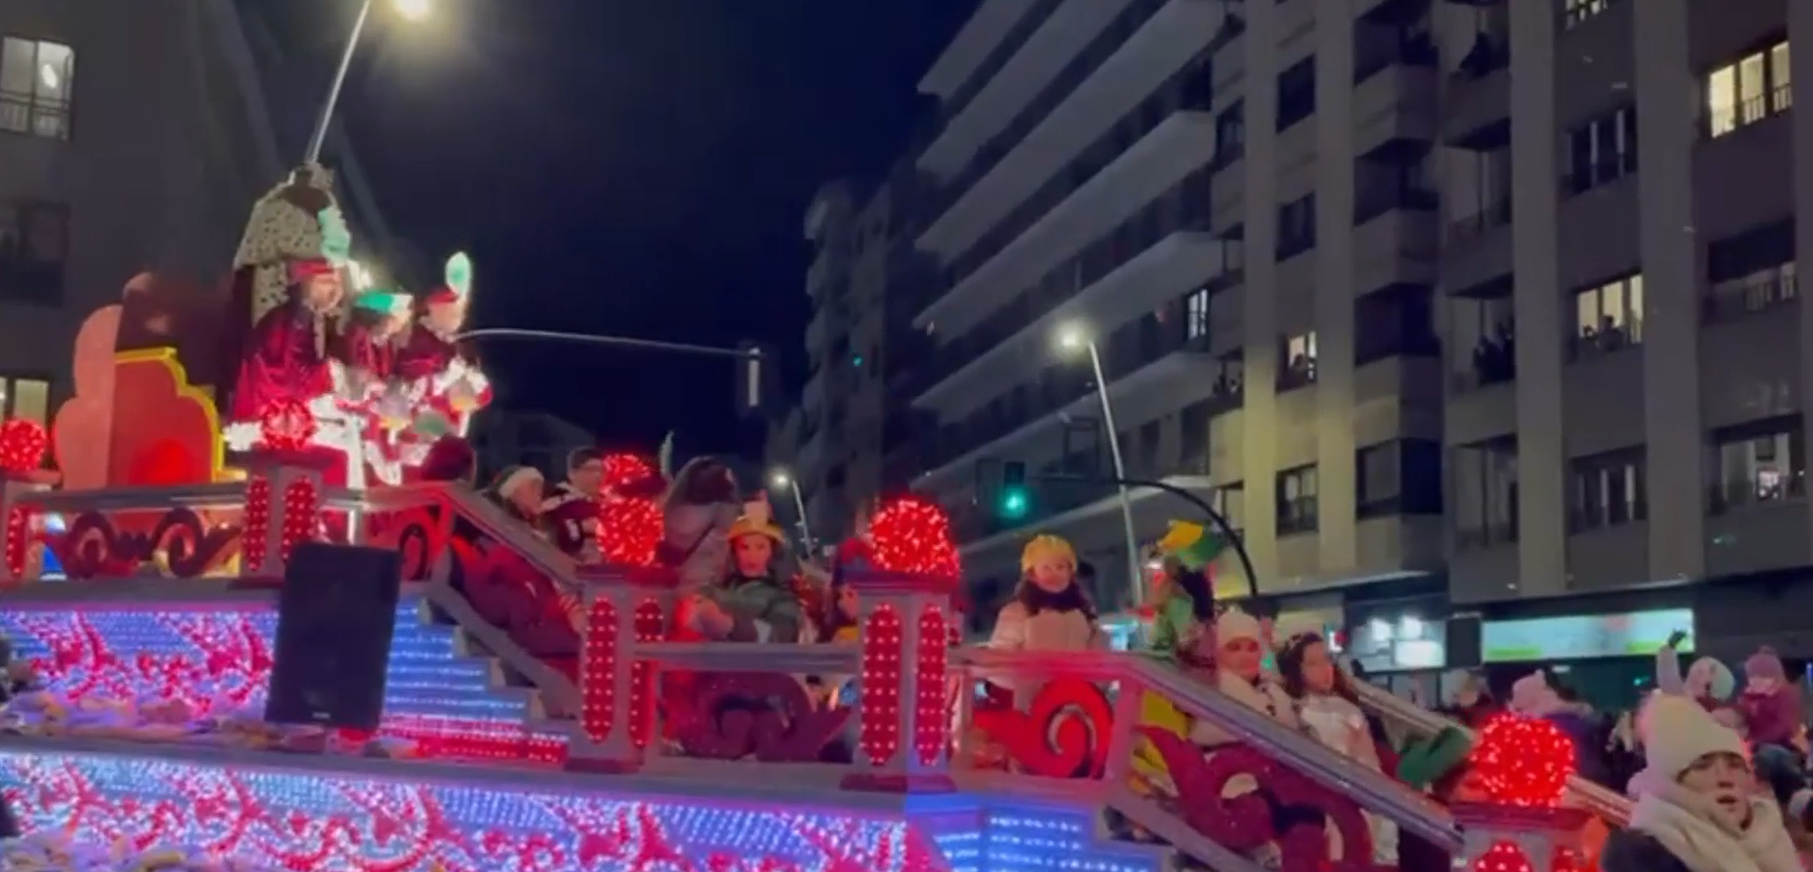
(36, 80)
(27, 398)
(1577, 11)
(1609, 317)
(1757, 86)
(1196, 314)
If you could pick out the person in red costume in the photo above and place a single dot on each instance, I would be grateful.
(449, 459)
(571, 513)
(367, 351)
(286, 357)
(439, 374)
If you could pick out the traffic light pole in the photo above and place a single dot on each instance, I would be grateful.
(1216, 518)
(753, 361)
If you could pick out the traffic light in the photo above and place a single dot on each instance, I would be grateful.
(1014, 501)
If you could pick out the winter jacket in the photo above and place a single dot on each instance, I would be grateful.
(1631, 851)
(1582, 728)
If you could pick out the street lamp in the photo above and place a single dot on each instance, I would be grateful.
(1072, 338)
(782, 481)
(409, 10)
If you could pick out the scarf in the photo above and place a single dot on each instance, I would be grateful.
(1683, 822)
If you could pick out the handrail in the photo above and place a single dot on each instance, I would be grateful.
(495, 524)
(211, 495)
(1371, 789)
(1584, 792)
(829, 658)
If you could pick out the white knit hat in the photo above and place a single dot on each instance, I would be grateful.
(1676, 731)
(1236, 624)
(1294, 628)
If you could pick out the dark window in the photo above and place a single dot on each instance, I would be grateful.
(1296, 227)
(1758, 462)
(34, 244)
(1230, 133)
(1609, 490)
(1752, 271)
(1399, 478)
(1297, 490)
(1602, 150)
(1296, 93)
(1398, 321)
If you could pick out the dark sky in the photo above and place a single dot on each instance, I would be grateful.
(632, 167)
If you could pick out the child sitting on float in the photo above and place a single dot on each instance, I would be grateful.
(1049, 610)
(752, 604)
(1330, 711)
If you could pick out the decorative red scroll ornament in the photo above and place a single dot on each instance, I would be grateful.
(179, 544)
(1064, 733)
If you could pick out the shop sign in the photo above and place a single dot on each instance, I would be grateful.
(1584, 637)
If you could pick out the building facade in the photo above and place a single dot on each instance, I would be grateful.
(1339, 295)
(130, 143)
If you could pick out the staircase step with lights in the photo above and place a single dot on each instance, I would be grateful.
(499, 676)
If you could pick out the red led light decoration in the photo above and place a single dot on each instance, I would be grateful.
(629, 529)
(1523, 761)
(1503, 857)
(883, 643)
(286, 425)
(912, 536)
(22, 445)
(624, 470)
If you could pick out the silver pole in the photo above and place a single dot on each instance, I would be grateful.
(1120, 472)
(326, 118)
(799, 505)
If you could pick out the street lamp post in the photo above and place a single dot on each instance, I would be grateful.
(1073, 338)
(783, 480)
(414, 10)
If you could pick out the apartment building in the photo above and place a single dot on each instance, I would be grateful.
(855, 438)
(130, 142)
(1632, 411)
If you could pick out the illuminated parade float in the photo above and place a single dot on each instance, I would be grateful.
(543, 711)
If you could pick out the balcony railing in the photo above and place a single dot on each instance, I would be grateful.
(1048, 98)
(1725, 496)
(1414, 50)
(1374, 203)
(1185, 207)
(1495, 215)
(998, 58)
(1126, 351)
(1729, 301)
(31, 116)
(1487, 535)
(1187, 90)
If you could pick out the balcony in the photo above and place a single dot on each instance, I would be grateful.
(1152, 368)
(1477, 105)
(1754, 526)
(1146, 282)
(1178, 209)
(1173, 35)
(991, 38)
(1396, 239)
(1047, 50)
(1393, 103)
(1476, 256)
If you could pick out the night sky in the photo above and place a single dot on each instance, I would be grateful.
(632, 167)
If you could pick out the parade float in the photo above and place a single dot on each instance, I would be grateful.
(526, 723)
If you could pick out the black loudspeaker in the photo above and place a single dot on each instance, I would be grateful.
(335, 618)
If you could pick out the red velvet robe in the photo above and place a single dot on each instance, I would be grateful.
(376, 362)
(283, 358)
(572, 519)
(425, 356)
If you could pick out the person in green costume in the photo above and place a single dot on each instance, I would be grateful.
(1184, 604)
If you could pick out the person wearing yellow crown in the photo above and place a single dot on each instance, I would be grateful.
(1049, 610)
(752, 604)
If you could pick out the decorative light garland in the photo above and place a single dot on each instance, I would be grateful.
(651, 626)
(629, 529)
(286, 425)
(931, 709)
(257, 523)
(301, 514)
(882, 646)
(598, 678)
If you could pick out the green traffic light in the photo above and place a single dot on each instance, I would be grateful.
(1013, 503)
